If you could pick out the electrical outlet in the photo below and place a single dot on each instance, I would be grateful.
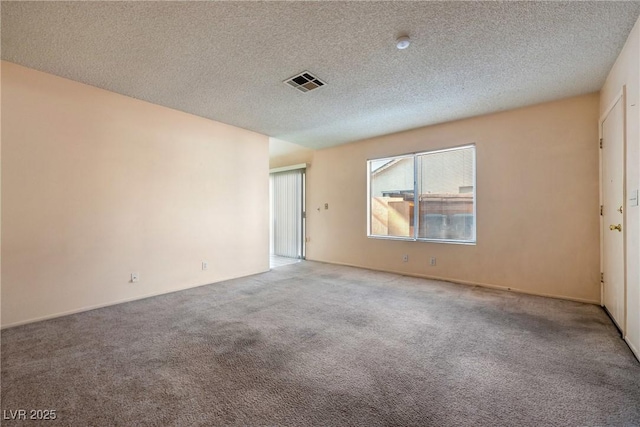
(326, 206)
(432, 261)
(205, 265)
(405, 258)
(134, 277)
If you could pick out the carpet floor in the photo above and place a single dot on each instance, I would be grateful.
(319, 344)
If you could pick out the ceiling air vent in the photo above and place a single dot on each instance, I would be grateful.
(304, 82)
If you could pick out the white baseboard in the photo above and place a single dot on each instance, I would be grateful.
(465, 282)
(108, 304)
(404, 273)
(634, 350)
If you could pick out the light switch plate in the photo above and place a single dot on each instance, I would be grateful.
(633, 199)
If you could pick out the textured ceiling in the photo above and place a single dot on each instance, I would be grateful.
(227, 60)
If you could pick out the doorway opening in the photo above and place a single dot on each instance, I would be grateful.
(287, 220)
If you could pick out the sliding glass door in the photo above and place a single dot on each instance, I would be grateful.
(287, 213)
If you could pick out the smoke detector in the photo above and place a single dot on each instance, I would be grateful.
(403, 42)
(304, 82)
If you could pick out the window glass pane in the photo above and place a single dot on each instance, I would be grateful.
(446, 195)
(391, 198)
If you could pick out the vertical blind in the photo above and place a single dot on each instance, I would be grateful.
(287, 213)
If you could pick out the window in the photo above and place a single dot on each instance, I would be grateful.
(391, 182)
(425, 196)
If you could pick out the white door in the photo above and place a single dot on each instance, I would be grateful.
(613, 213)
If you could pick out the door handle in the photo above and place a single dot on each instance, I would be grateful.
(615, 227)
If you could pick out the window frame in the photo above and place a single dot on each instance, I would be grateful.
(416, 204)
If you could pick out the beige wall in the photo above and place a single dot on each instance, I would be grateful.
(97, 185)
(283, 153)
(0, 198)
(626, 72)
(537, 202)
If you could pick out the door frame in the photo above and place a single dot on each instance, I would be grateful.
(621, 96)
(303, 247)
(303, 214)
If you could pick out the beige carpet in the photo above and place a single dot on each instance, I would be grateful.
(316, 344)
